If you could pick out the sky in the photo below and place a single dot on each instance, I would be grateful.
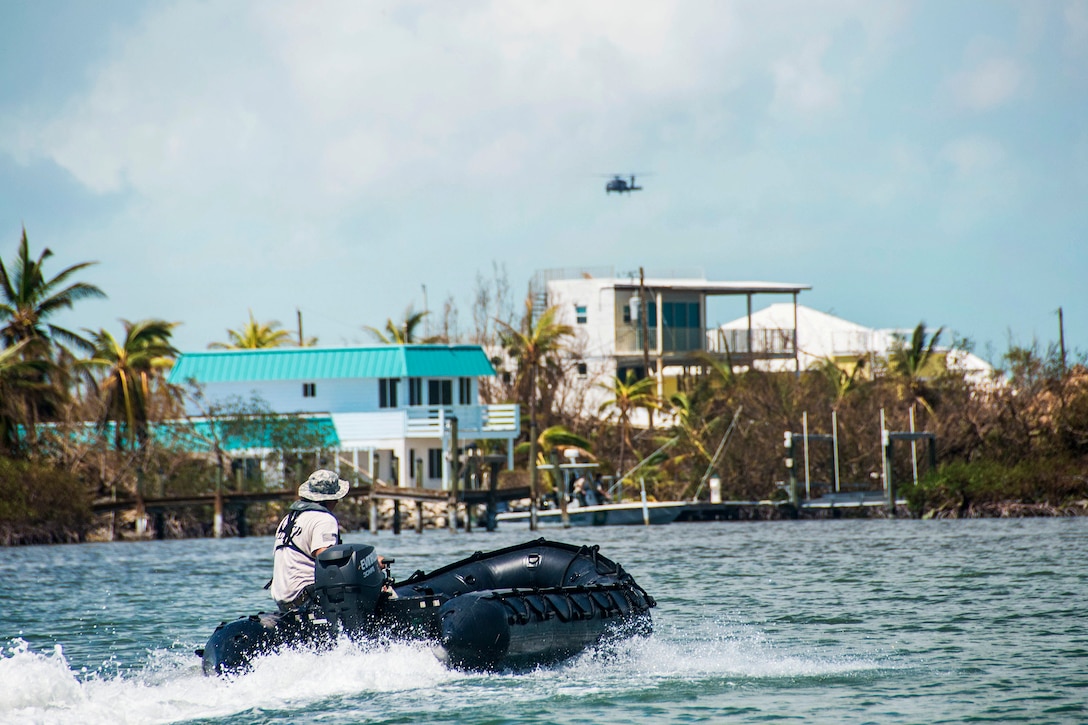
(911, 161)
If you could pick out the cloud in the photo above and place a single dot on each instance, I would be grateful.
(987, 84)
(1076, 28)
(973, 155)
(801, 86)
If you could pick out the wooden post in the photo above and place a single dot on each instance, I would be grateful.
(804, 432)
(393, 476)
(452, 461)
(492, 489)
(471, 467)
(560, 489)
(645, 508)
(419, 504)
(835, 447)
(913, 447)
(533, 474)
(886, 459)
(373, 484)
(790, 468)
(217, 521)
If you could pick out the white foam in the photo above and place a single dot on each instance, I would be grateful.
(40, 688)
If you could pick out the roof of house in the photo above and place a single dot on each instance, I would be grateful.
(820, 335)
(315, 363)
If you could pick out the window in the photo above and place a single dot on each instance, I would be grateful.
(583, 369)
(464, 391)
(387, 392)
(679, 314)
(415, 391)
(580, 314)
(434, 463)
(440, 392)
(309, 390)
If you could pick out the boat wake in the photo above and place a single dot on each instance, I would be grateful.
(40, 687)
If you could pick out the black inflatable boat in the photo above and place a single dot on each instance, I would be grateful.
(521, 606)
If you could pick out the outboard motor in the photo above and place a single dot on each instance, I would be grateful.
(348, 584)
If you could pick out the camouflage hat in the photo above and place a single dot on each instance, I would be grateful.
(323, 485)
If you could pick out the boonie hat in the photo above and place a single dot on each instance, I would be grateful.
(323, 485)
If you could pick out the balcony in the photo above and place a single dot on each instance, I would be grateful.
(473, 422)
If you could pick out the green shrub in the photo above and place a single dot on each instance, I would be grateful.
(960, 484)
(40, 504)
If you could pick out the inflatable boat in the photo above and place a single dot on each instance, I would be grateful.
(522, 606)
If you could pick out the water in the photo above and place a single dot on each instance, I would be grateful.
(824, 621)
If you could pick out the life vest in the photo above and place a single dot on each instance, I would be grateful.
(287, 526)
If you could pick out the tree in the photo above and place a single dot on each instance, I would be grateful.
(29, 299)
(129, 367)
(550, 440)
(911, 365)
(534, 347)
(255, 336)
(841, 382)
(629, 395)
(20, 380)
(403, 333)
(27, 302)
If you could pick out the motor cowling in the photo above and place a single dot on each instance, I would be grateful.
(348, 584)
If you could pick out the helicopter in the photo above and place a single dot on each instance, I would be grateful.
(619, 185)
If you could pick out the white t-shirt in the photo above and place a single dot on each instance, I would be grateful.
(292, 571)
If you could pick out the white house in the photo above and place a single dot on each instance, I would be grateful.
(394, 402)
(618, 326)
(820, 336)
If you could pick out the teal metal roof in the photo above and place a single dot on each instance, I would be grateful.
(314, 363)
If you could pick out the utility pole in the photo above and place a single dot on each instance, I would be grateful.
(301, 339)
(426, 314)
(645, 335)
(533, 473)
(1061, 337)
(645, 324)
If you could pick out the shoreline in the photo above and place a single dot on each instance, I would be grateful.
(1002, 510)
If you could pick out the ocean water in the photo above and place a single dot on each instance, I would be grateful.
(866, 621)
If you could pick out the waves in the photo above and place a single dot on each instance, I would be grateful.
(394, 680)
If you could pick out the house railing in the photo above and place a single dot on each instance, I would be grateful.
(472, 420)
(764, 341)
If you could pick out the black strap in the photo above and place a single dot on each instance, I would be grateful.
(287, 526)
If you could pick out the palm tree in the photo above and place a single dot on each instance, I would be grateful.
(629, 395)
(29, 299)
(689, 422)
(129, 367)
(402, 334)
(910, 365)
(841, 382)
(20, 380)
(534, 346)
(552, 439)
(255, 336)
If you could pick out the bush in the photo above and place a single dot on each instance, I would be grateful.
(41, 505)
(961, 485)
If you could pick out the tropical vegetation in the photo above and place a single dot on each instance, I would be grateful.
(87, 417)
